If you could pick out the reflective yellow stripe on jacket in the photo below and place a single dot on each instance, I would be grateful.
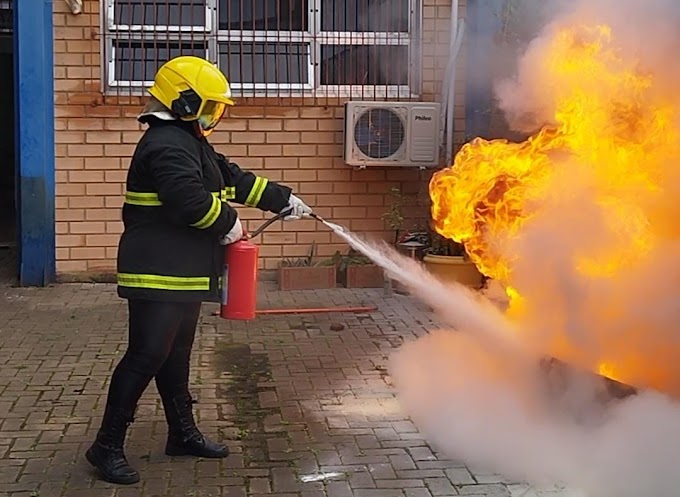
(139, 198)
(158, 282)
(256, 192)
(211, 216)
(151, 199)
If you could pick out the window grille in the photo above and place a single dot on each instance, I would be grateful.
(6, 17)
(320, 48)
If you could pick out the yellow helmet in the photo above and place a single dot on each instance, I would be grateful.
(194, 89)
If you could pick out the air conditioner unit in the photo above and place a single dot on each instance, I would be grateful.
(392, 134)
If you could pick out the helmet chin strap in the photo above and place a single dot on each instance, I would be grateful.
(200, 132)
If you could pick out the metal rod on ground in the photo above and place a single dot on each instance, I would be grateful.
(312, 310)
(317, 310)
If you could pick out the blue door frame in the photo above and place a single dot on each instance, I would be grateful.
(35, 157)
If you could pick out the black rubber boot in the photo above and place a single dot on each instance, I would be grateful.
(107, 454)
(184, 438)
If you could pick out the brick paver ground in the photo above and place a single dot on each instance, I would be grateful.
(306, 407)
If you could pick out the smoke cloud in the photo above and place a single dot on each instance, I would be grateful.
(491, 405)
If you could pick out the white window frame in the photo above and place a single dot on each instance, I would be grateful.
(273, 37)
(313, 38)
(112, 26)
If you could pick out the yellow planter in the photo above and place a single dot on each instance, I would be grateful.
(453, 268)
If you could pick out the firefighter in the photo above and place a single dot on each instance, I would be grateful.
(176, 220)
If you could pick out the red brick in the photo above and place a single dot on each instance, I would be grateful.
(64, 240)
(300, 125)
(300, 150)
(332, 200)
(102, 163)
(265, 125)
(88, 253)
(349, 212)
(67, 190)
(101, 240)
(299, 175)
(248, 137)
(317, 112)
(90, 202)
(103, 214)
(65, 267)
(315, 187)
(277, 238)
(318, 137)
(122, 150)
(283, 137)
(84, 176)
(87, 227)
(104, 137)
(70, 137)
(85, 123)
(114, 227)
(102, 189)
(115, 176)
(281, 162)
(85, 150)
(69, 214)
(265, 150)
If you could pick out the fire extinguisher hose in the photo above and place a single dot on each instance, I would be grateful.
(266, 225)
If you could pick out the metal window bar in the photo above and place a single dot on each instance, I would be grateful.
(332, 50)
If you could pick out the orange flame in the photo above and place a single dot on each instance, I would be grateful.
(608, 129)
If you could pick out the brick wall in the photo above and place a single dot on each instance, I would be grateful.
(300, 146)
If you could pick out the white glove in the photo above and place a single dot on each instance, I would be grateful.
(234, 235)
(296, 209)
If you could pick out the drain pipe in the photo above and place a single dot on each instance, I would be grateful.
(449, 81)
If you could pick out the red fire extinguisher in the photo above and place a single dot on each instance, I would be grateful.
(239, 277)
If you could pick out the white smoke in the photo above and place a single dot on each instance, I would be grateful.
(481, 396)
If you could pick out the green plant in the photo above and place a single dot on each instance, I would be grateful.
(415, 203)
(351, 258)
(394, 216)
(307, 261)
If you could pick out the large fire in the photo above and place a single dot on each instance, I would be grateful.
(613, 136)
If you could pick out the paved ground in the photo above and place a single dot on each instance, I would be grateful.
(306, 407)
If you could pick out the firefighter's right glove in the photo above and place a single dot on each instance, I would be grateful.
(234, 235)
(296, 209)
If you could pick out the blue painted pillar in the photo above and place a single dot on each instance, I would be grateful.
(34, 90)
(482, 23)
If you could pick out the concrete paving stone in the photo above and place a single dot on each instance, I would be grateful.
(306, 408)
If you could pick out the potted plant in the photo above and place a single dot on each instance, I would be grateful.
(355, 270)
(303, 273)
(448, 260)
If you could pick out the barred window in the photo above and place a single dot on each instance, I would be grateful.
(6, 17)
(269, 47)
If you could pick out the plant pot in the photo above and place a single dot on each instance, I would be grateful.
(453, 268)
(362, 276)
(307, 278)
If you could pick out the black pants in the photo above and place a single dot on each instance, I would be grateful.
(161, 336)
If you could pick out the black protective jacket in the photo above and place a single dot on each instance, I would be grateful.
(176, 210)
